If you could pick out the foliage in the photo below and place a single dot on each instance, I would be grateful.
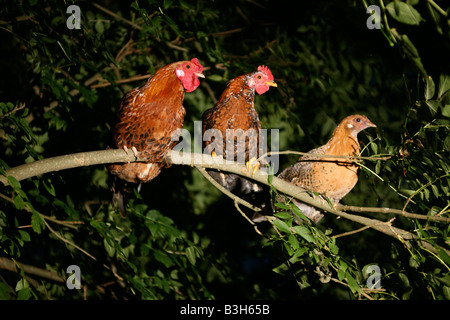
(182, 239)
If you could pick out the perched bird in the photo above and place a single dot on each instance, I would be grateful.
(332, 177)
(147, 118)
(231, 128)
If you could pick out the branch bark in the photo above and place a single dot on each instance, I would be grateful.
(69, 161)
(204, 161)
(10, 265)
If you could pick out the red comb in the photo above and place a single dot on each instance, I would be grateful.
(197, 63)
(267, 71)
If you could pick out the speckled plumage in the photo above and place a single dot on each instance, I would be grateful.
(149, 115)
(332, 177)
(146, 120)
(234, 110)
(236, 113)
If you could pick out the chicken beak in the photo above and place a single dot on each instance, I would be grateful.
(370, 124)
(199, 75)
(271, 84)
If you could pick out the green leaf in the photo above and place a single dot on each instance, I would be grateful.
(167, 4)
(23, 289)
(293, 242)
(19, 203)
(281, 269)
(447, 143)
(435, 190)
(282, 206)
(288, 248)
(153, 227)
(353, 284)
(298, 213)
(190, 254)
(374, 147)
(215, 77)
(407, 192)
(304, 233)
(341, 274)
(37, 222)
(109, 246)
(25, 236)
(24, 294)
(99, 27)
(13, 182)
(378, 167)
(429, 88)
(403, 13)
(445, 279)
(49, 187)
(446, 111)
(173, 25)
(410, 50)
(281, 225)
(5, 291)
(444, 256)
(270, 177)
(433, 105)
(163, 258)
(444, 85)
(22, 284)
(282, 215)
(446, 291)
(333, 247)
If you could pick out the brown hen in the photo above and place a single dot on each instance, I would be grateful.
(331, 177)
(231, 128)
(147, 118)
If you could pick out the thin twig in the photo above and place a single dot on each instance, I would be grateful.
(106, 83)
(236, 204)
(393, 211)
(351, 232)
(15, 109)
(225, 191)
(10, 265)
(69, 224)
(439, 9)
(373, 158)
(361, 229)
(362, 289)
(69, 242)
(44, 218)
(112, 14)
(423, 187)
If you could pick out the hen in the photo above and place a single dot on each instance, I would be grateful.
(332, 177)
(231, 128)
(147, 118)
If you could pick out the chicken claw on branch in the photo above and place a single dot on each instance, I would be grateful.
(252, 165)
(133, 148)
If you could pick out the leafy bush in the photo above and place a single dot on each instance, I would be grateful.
(182, 239)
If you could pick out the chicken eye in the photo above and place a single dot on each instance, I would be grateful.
(188, 67)
(358, 119)
(259, 77)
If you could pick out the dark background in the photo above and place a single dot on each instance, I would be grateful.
(327, 65)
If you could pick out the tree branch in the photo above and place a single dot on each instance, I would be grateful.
(69, 161)
(393, 211)
(352, 158)
(204, 161)
(10, 265)
(225, 191)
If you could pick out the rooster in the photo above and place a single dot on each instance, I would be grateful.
(231, 128)
(147, 118)
(332, 177)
